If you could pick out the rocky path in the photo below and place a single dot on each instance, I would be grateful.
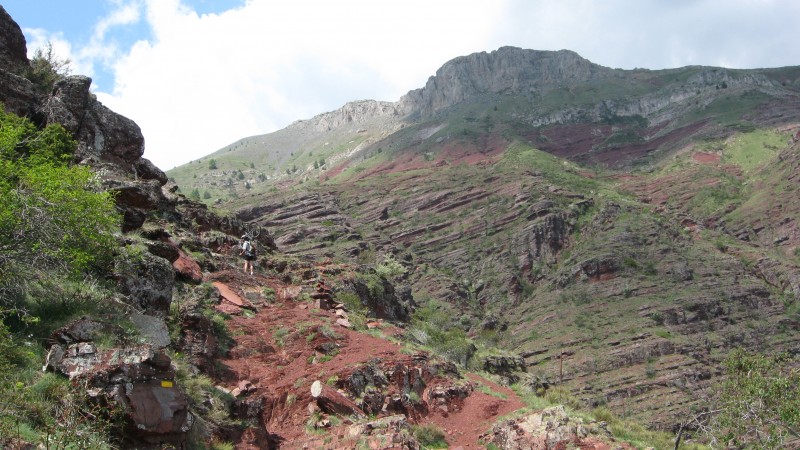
(289, 345)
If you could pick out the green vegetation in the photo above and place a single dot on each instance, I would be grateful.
(729, 109)
(390, 267)
(432, 327)
(46, 69)
(556, 170)
(625, 430)
(760, 401)
(429, 436)
(56, 245)
(53, 217)
(750, 150)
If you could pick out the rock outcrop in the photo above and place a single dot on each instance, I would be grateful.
(508, 69)
(139, 380)
(550, 428)
(147, 280)
(16, 92)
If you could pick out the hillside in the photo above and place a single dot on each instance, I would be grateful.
(531, 251)
(126, 320)
(620, 231)
(594, 115)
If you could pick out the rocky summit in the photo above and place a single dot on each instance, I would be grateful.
(532, 251)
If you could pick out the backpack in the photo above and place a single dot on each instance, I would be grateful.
(248, 248)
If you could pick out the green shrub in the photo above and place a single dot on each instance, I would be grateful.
(46, 69)
(760, 400)
(562, 396)
(54, 220)
(280, 336)
(390, 267)
(430, 436)
(268, 293)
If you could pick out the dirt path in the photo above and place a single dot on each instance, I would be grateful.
(280, 351)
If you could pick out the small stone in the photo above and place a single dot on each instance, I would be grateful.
(316, 388)
(223, 389)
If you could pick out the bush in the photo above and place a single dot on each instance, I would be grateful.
(430, 436)
(390, 267)
(760, 400)
(46, 69)
(54, 220)
(562, 396)
(56, 236)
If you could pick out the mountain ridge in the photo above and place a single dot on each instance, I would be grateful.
(534, 90)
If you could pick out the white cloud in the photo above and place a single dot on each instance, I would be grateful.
(206, 81)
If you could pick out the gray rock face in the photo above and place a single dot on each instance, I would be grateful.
(147, 280)
(354, 113)
(16, 92)
(101, 133)
(383, 303)
(13, 50)
(506, 69)
(138, 379)
(135, 199)
(508, 367)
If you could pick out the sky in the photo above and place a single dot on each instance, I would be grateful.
(197, 75)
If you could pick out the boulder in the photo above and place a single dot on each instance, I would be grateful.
(187, 269)
(13, 49)
(382, 303)
(506, 366)
(549, 428)
(152, 330)
(135, 199)
(391, 430)
(147, 280)
(16, 92)
(140, 380)
(332, 401)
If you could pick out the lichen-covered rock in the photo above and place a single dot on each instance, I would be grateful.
(146, 280)
(386, 432)
(380, 298)
(139, 380)
(549, 428)
(151, 330)
(197, 340)
(16, 92)
(509, 367)
(83, 330)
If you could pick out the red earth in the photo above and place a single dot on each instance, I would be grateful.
(275, 350)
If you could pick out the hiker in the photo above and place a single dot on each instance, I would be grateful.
(248, 252)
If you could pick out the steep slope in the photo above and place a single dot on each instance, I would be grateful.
(168, 344)
(629, 287)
